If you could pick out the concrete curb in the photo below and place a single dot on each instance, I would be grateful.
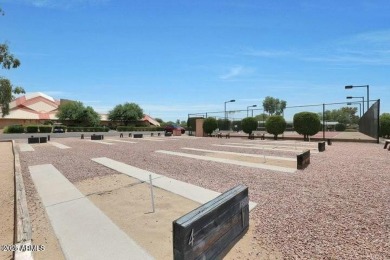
(22, 228)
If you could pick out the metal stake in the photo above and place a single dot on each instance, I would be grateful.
(151, 191)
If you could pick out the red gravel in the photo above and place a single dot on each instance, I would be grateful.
(337, 208)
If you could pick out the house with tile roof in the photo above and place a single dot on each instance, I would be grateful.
(36, 108)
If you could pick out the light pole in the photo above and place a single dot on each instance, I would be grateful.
(360, 107)
(247, 110)
(349, 97)
(225, 106)
(368, 92)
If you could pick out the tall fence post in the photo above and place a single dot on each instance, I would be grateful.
(323, 121)
(379, 114)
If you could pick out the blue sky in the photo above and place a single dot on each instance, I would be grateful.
(179, 57)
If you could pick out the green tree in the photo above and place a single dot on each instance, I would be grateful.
(249, 124)
(6, 95)
(70, 111)
(209, 125)
(344, 115)
(384, 121)
(159, 120)
(7, 61)
(89, 117)
(275, 125)
(261, 117)
(126, 113)
(307, 124)
(274, 105)
(76, 112)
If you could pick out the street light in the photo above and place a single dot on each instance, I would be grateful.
(349, 97)
(247, 110)
(360, 107)
(368, 92)
(225, 106)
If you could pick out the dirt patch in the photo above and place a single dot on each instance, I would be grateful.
(253, 159)
(127, 202)
(6, 198)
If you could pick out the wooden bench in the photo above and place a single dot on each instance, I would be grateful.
(303, 160)
(321, 146)
(220, 135)
(37, 140)
(209, 231)
(97, 137)
(387, 143)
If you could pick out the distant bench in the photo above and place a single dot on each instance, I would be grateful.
(387, 143)
(220, 135)
(37, 140)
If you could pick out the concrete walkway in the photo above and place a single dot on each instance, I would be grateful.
(26, 147)
(82, 229)
(58, 145)
(183, 189)
(228, 161)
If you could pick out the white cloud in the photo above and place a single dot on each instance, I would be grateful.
(60, 4)
(236, 72)
(266, 53)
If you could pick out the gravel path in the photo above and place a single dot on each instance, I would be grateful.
(337, 208)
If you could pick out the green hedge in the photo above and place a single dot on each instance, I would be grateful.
(134, 128)
(209, 125)
(63, 127)
(45, 128)
(32, 129)
(14, 129)
(340, 127)
(88, 129)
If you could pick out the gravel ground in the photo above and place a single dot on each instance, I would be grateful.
(337, 208)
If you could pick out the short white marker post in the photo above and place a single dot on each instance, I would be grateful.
(264, 155)
(151, 191)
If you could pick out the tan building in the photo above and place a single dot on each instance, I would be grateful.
(32, 108)
(36, 108)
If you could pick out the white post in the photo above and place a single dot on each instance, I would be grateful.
(264, 155)
(151, 191)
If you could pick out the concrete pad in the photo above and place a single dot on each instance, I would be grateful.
(243, 154)
(26, 148)
(100, 142)
(282, 142)
(240, 163)
(82, 229)
(121, 141)
(273, 148)
(58, 145)
(151, 139)
(183, 189)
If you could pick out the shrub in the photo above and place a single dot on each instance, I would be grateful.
(14, 129)
(249, 124)
(48, 122)
(32, 129)
(275, 125)
(223, 124)
(133, 128)
(384, 121)
(209, 125)
(306, 124)
(45, 128)
(340, 127)
(236, 126)
(88, 129)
